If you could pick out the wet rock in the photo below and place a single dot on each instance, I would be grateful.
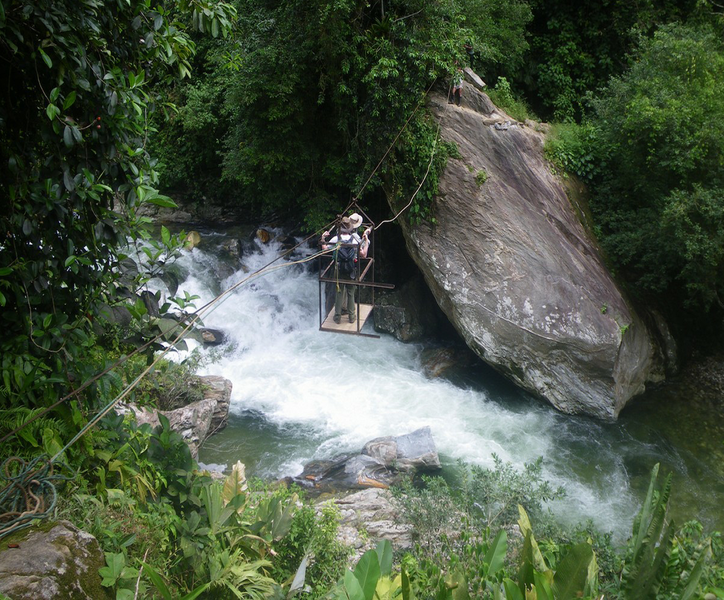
(192, 421)
(368, 516)
(193, 239)
(414, 451)
(517, 274)
(287, 242)
(217, 389)
(263, 236)
(232, 248)
(212, 337)
(409, 313)
(380, 464)
(437, 362)
(56, 560)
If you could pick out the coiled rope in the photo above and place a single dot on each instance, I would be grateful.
(29, 492)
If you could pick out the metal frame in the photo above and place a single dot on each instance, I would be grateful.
(367, 268)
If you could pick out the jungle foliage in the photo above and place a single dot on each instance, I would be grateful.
(75, 172)
(293, 105)
(472, 559)
(576, 47)
(304, 101)
(651, 152)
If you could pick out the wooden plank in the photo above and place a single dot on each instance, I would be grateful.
(345, 326)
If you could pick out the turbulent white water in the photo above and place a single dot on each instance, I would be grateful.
(301, 394)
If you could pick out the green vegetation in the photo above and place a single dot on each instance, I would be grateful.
(470, 559)
(651, 152)
(502, 95)
(291, 108)
(304, 101)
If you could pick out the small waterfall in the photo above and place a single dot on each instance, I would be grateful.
(301, 394)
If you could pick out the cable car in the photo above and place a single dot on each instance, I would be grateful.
(364, 281)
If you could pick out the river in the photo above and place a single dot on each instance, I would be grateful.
(301, 394)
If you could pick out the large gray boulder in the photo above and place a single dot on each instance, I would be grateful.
(515, 271)
(55, 561)
(409, 312)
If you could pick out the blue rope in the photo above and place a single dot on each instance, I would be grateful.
(28, 492)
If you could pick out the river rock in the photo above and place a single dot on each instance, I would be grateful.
(56, 560)
(263, 236)
(414, 451)
(368, 516)
(514, 269)
(212, 337)
(217, 389)
(198, 420)
(380, 464)
(193, 239)
(436, 362)
(232, 248)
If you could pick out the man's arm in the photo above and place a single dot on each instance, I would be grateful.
(365, 243)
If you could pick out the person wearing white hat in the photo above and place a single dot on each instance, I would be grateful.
(346, 262)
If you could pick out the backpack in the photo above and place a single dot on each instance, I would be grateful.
(347, 261)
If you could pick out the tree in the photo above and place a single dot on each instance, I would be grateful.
(76, 97)
(316, 91)
(659, 134)
(577, 46)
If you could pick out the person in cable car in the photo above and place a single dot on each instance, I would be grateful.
(351, 247)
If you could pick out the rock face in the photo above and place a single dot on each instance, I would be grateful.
(198, 420)
(57, 561)
(513, 268)
(373, 512)
(409, 313)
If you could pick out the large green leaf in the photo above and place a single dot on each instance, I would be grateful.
(384, 556)
(571, 577)
(512, 591)
(495, 556)
(352, 587)
(543, 586)
(367, 572)
(641, 521)
(158, 582)
(115, 562)
(695, 575)
(407, 593)
(235, 483)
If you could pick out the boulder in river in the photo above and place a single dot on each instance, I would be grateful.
(514, 269)
(409, 313)
(212, 337)
(193, 239)
(380, 464)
